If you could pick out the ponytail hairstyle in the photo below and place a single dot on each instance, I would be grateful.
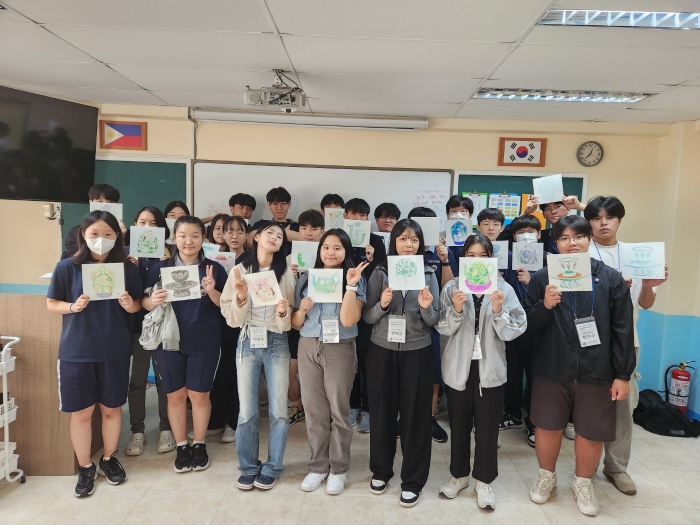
(397, 231)
(279, 260)
(157, 215)
(347, 246)
(478, 238)
(185, 219)
(116, 254)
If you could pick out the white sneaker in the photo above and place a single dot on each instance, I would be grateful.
(408, 499)
(190, 434)
(135, 446)
(543, 486)
(166, 443)
(485, 497)
(229, 435)
(312, 481)
(336, 484)
(452, 486)
(586, 500)
(569, 431)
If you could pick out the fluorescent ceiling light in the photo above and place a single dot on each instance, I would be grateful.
(643, 19)
(553, 95)
(324, 121)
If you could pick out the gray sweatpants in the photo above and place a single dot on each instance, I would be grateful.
(140, 364)
(326, 374)
(618, 452)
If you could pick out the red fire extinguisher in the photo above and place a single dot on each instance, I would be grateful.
(678, 390)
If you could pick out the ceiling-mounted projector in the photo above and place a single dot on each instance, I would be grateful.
(281, 95)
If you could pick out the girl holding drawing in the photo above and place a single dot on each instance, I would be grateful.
(189, 370)
(474, 372)
(327, 361)
(96, 343)
(260, 306)
(400, 375)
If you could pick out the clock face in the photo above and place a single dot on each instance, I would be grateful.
(589, 153)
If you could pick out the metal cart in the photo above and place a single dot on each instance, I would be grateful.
(8, 413)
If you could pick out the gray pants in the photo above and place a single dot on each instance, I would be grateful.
(140, 364)
(326, 374)
(617, 453)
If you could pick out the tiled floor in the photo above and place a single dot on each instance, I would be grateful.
(666, 470)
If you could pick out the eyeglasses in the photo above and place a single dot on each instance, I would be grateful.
(279, 204)
(576, 238)
(553, 207)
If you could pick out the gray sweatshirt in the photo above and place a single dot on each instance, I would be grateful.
(418, 320)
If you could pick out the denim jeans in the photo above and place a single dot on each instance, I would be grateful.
(275, 358)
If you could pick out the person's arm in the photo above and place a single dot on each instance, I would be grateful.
(538, 314)
(431, 314)
(450, 318)
(445, 257)
(302, 305)
(647, 296)
(351, 307)
(511, 321)
(209, 282)
(287, 288)
(572, 203)
(234, 299)
(207, 220)
(621, 329)
(373, 311)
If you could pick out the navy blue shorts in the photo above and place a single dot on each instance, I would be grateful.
(185, 368)
(81, 385)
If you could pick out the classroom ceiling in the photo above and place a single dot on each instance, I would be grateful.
(422, 58)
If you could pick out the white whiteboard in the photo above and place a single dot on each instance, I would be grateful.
(215, 183)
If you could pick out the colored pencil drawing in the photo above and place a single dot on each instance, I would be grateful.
(500, 251)
(333, 218)
(181, 284)
(325, 285)
(478, 275)
(457, 231)
(263, 288)
(147, 242)
(528, 256)
(304, 254)
(570, 272)
(103, 281)
(646, 261)
(548, 189)
(406, 269)
(358, 231)
(406, 272)
(225, 259)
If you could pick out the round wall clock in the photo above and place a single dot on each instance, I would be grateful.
(589, 153)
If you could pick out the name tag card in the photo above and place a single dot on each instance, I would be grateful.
(397, 329)
(476, 355)
(587, 332)
(331, 331)
(258, 336)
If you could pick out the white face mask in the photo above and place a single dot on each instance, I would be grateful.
(526, 237)
(100, 246)
(458, 215)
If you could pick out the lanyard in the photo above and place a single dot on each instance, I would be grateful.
(601, 257)
(571, 301)
(335, 307)
(403, 308)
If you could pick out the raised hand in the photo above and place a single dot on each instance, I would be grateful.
(355, 274)
(497, 300)
(458, 300)
(387, 296)
(425, 298)
(442, 252)
(282, 307)
(650, 283)
(523, 276)
(240, 285)
(208, 282)
(306, 304)
(531, 206)
(369, 252)
(552, 296)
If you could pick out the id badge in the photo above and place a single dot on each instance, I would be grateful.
(331, 330)
(587, 331)
(477, 348)
(258, 336)
(397, 329)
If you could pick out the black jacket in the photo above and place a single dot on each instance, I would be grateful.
(558, 356)
(359, 255)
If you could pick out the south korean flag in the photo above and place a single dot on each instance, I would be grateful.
(522, 152)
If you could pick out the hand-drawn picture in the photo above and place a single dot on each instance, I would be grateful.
(431, 229)
(225, 259)
(478, 275)
(103, 281)
(528, 256)
(643, 260)
(114, 208)
(500, 251)
(181, 282)
(171, 227)
(406, 272)
(147, 241)
(457, 231)
(548, 189)
(263, 288)
(570, 272)
(210, 248)
(326, 286)
(304, 254)
(333, 218)
(358, 231)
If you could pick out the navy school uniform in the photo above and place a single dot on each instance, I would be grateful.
(96, 344)
(194, 364)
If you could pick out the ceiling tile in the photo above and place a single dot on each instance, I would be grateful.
(32, 42)
(28, 72)
(97, 95)
(612, 36)
(546, 111)
(453, 20)
(586, 86)
(653, 116)
(629, 5)
(200, 15)
(9, 15)
(255, 52)
(597, 106)
(680, 99)
(211, 100)
(400, 58)
(387, 89)
(346, 107)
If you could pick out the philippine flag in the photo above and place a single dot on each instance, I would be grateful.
(125, 135)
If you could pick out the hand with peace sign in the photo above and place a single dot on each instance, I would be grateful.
(240, 285)
(355, 274)
(208, 282)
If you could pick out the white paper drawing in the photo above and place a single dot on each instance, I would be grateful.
(103, 281)
(147, 241)
(326, 286)
(358, 231)
(333, 218)
(182, 282)
(528, 256)
(263, 288)
(115, 208)
(478, 275)
(406, 272)
(548, 189)
(457, 231)
(304, 254)
(225, 259)
(210, 248)
(431, 229)
(570, 272)
(171, 227)
(500, 251)
(643, 260)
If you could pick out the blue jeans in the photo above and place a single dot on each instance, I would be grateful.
(275, 358)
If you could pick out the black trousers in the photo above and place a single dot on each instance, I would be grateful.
(358, 395)
(224, 393)
(519, 359)
(481, 409)
(400, 384)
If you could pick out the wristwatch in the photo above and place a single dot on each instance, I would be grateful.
(351, 288)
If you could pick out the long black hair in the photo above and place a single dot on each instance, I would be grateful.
(478, 238)
(116, 254)
(185, 219)
(397, 231)
(279, 260)
(176, 204)
(347, 246)
(157, 215)
(210, 230)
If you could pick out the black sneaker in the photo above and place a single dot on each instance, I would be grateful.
(246, 481)
(265, 482)
(508, 421)
(296, 414)
(112, 470)
(86, 481)
(200, 458)
(439, 434)
(530, 430)
(377, 487)
(183, 460)
(408, 499)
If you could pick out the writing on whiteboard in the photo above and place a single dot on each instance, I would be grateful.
(433, 199)
(214, 208)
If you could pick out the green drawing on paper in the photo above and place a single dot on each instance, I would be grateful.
(264, 288)
(147, 243)
(103, 281)
(406, 268)
(181, 286)
(357, 234)
(325, 285)
(300, 261)
(477, 276)
(570, 278)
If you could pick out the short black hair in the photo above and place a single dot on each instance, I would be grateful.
(313, 218)
(278, 195)
(176, 204)
(478, 238)
(357, 205)
(544, 206)
(242, 199)
(104, 191)
(525, 221)
(421, 211)
(575, 222)
(456, 201)
(387, 209)
(491, 214)
(332, 198)
(612, 206)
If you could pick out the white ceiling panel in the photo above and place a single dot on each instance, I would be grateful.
(586, 86)
(452, 20)
(678, 99)
(595, 106)
(546, 111)
(612, 36)
(198, 15)
(32, 42)
(652, 116)
(611, 65)
(387, 89)
(255, 52)
(35, 73)
(346, 107)
(400, 58)
(9, 15)
(629, 5)
(97, 95)
(211, 100)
